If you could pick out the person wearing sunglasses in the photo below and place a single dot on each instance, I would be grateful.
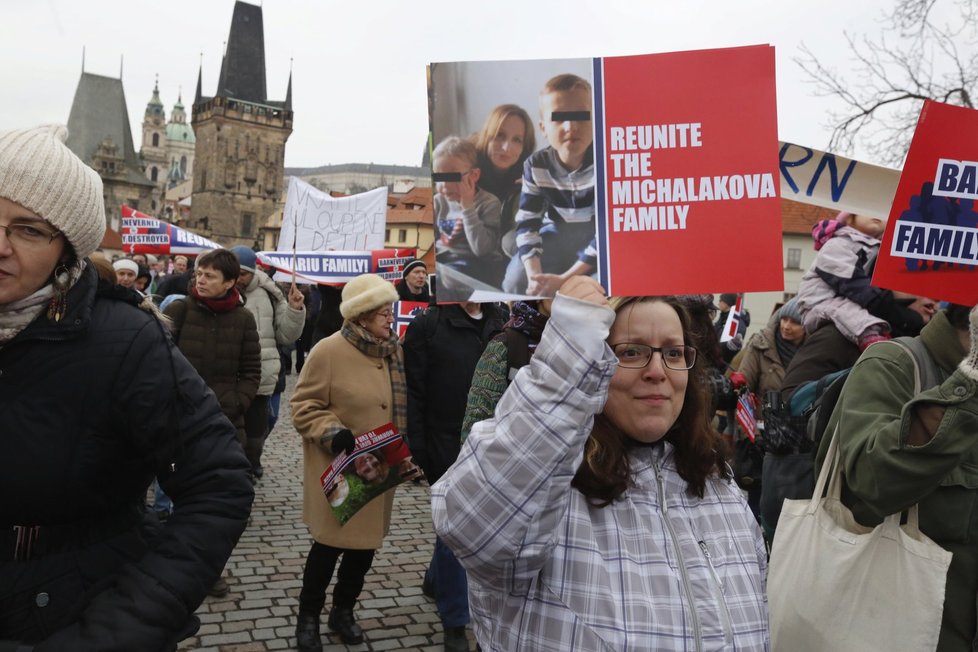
(595, 511)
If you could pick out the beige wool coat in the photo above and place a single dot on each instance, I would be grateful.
(340, 387)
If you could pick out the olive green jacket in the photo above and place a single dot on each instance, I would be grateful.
(884, 474)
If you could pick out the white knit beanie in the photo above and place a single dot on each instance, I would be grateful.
(126, 263)
(41, 174)
(365, 293)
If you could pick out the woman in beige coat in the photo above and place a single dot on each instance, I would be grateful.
(352, 382)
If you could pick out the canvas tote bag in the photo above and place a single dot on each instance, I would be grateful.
(834, 584)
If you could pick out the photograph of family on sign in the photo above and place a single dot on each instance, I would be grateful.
(513, 172)
(372, 464)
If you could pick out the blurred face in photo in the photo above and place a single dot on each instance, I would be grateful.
(569, 138)
(505, 148)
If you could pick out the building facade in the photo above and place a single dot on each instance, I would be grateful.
(99, 134)
(240, 134)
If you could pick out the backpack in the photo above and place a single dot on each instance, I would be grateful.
(789, 466)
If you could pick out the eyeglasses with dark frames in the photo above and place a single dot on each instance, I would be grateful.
(631, 355)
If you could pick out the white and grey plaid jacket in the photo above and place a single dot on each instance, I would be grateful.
(658, 569)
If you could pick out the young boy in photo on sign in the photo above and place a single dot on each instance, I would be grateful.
(555, 224)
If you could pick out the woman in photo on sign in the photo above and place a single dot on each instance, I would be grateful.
(352, 382)
(503, 145)
(595, 511)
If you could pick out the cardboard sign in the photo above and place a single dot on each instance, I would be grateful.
(930, 246)
(315, 221)
(658, 184)
(145, 234)
(686, 182)
(828, 180)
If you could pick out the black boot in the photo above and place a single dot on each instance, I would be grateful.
(307, 637)
(341, 621)
(456, 640)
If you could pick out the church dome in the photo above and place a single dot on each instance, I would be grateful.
(180, 132)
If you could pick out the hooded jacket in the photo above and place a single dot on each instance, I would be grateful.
(658, 569)
(278, 323)
(224, 349)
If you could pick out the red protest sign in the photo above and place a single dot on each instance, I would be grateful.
(686, 158)
(930, 246)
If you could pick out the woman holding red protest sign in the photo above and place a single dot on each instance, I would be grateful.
(596, 511)
(352, 382)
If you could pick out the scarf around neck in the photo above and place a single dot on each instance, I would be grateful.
(227, 303)
(389, 349)
(786, 350)
(16, 315)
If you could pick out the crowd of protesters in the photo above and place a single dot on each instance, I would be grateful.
(591, 486)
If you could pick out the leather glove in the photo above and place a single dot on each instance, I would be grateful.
(343, 441)
(970, 363)
(738, 379)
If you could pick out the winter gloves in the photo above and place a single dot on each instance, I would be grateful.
(343, 441)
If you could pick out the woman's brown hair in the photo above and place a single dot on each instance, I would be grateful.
(605, 474)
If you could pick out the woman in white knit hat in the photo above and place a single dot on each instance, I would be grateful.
(93, 404)
(353, 381)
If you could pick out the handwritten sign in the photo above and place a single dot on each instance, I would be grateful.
(315, 221)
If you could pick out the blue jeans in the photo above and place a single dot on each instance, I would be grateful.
(274, 402)
(161, 502)
(451, 587)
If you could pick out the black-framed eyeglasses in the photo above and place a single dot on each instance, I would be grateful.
(637, 356)
(29, 234)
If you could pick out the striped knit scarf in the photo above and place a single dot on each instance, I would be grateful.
(15, 316)
(391, 350)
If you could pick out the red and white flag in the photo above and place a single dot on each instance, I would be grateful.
(733, 321)
(746, 413)
(404, 314)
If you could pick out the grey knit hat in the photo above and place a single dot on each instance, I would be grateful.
(41, 174)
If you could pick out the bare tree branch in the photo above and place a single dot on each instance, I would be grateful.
(882, 92)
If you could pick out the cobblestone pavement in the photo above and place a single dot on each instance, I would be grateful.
(265, 571)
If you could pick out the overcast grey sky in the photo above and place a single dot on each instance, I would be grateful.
(359, 66)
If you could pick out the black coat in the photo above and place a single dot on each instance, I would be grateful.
(223, 348)
(91, 408)
(404, 294)
(441, 349)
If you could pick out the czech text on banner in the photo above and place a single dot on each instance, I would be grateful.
(379, 462)
(314, 220)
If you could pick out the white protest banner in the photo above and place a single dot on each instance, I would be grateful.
(831, 181)
(315, 221)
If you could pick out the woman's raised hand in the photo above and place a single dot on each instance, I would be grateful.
(584, 288)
